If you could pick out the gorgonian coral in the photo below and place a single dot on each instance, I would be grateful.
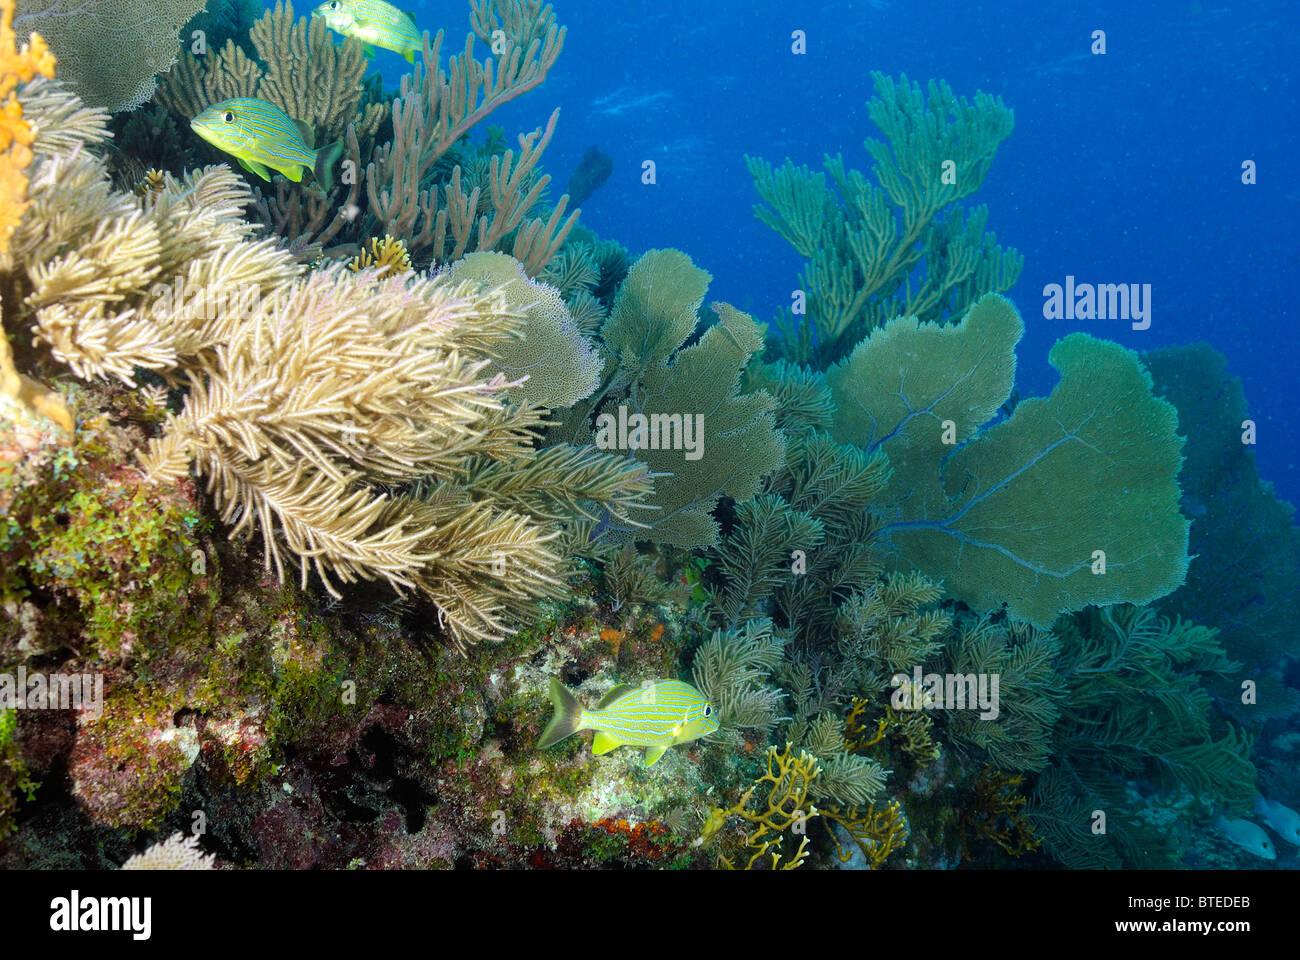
(863, 240)
(110, 51)
(354, 422)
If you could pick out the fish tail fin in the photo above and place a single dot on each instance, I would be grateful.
(567, 719)
(327, 157)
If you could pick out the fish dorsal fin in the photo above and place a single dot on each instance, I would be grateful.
(652, 755)
(616, 692)
(603, 743)
(307, 133)
(410, 16)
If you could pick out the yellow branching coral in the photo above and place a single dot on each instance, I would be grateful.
(16, 66)
(858, 734)
(877, 833)
(785, 806)
(152, 184)
(19, 66)
(388, 254)
(912, 731)
(997, 812)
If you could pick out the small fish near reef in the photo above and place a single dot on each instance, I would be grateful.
(1281, 819)
(655, 716)
(262, 138)
(375, 24)
(1248, 836)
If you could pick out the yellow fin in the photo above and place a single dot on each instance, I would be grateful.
(603, 743)
(652, 755)
(252, 166)
(567, 718)
(614, 693)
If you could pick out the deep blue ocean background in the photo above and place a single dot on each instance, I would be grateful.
(1123, 168)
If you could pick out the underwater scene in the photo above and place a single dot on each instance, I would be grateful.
(495, 434)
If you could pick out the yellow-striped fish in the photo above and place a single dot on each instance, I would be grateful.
(260, 136)
(655, 716)
(374, 23)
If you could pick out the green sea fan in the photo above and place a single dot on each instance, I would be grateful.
(1072, 500)
(652, 369)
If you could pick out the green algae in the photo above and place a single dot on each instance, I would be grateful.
(16, 784)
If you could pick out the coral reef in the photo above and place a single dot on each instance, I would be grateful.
(328, 505)
(304, 449)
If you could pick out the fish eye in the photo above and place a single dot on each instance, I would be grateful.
(708, 710)
(229, 117)
(334, 4)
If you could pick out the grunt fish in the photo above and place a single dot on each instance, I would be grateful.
(655, 716)
(262, 138)
(374, 23)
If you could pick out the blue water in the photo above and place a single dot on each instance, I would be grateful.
(1122, 168)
